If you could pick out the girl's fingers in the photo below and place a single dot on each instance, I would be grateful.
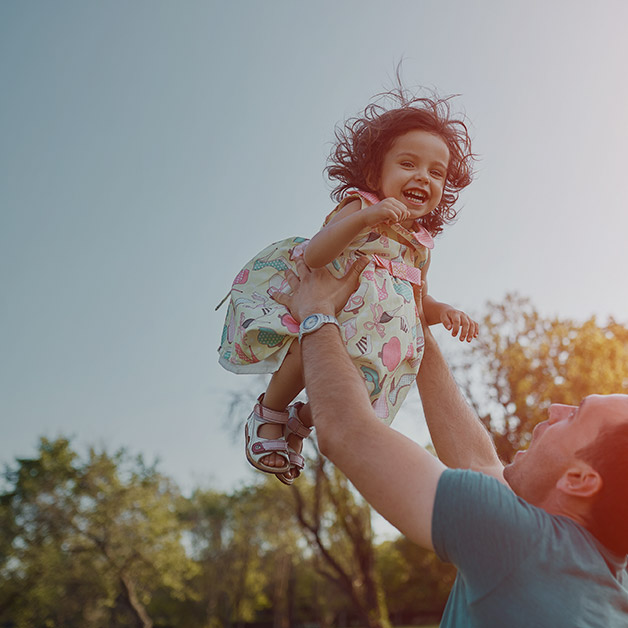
(399, 205)
(455, 324)
(464, 329)
(473, 330)
(459, 322)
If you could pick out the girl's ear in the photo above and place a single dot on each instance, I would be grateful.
(580, 480)
(372, 181)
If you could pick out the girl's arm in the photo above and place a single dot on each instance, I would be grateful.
(342, 229)
(437, 312)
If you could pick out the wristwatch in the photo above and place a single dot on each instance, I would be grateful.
(315, 321)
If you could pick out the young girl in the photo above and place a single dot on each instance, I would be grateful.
(398, 173)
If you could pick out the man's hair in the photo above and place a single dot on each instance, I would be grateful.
(608, 518)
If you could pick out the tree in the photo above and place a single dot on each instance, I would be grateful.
(255, 564)
(415, 581)
(522, 362)
(336, 522)
(336, 525)
(88, 543)
(228, 544)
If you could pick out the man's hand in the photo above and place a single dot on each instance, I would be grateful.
(317, 291)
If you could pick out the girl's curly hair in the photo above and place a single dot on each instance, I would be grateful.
(362, 142)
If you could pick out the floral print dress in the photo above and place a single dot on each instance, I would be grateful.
(379, 324)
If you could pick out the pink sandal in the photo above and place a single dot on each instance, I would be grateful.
(257, 446)
(296, 427)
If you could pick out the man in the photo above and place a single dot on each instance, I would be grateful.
(541, 542)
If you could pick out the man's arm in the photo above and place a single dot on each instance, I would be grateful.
(394, 474)
(460, 440)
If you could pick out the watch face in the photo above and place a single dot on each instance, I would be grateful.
(313, 322)
(310, 321)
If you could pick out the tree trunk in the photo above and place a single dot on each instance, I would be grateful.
(358, 580)
(130, 595)
(281, 610)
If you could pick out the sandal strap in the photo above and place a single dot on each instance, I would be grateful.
(296, 460)
(257, 446)
(270, 416)
(267, 445)
(294, 424)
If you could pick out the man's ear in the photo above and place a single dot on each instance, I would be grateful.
(580, 480)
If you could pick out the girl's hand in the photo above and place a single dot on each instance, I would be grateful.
(457, 321)
(389, 211)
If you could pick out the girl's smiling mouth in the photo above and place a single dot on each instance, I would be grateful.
(416, 196)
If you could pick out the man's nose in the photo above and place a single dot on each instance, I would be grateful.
(558, 411)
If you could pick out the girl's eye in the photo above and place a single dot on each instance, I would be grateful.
(438, 174)
(407, 164)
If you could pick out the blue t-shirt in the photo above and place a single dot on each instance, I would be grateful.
(519, 566)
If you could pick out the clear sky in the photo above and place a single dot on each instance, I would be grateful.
(149, 148)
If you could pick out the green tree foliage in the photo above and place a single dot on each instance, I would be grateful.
(416, 583)
(88, 543)
(522, 362)
(247, 549)
(257, 564)
(337, 524)
(106, 540)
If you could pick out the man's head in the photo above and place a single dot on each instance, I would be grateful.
(577, 465)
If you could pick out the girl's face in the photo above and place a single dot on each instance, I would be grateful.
(414, 172)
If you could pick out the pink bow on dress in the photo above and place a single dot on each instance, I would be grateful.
(423, 236)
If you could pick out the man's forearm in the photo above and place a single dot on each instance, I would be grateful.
(459, 438)
(335, 390)
(394, 474)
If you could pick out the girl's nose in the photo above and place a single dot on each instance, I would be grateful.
(420, 175)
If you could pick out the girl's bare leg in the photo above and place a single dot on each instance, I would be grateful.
(285, 384)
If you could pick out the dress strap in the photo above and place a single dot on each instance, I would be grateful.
(399, 270)
(419, 237)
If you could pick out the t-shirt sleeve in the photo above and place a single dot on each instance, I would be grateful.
(481, 526)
